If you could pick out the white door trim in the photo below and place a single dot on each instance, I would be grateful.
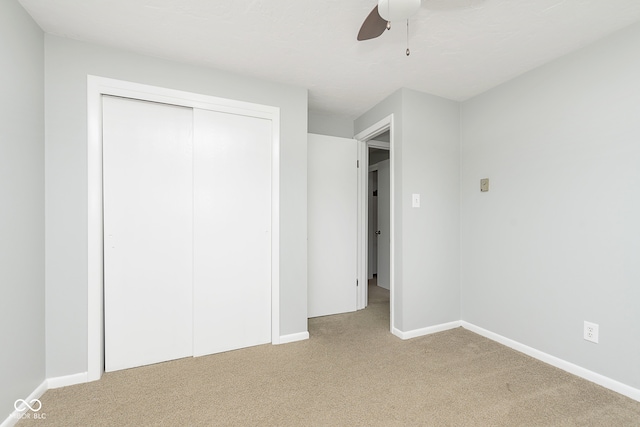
(379, 144)
(364, 142)
(98, 86)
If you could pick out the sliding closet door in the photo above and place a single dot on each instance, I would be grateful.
(148, 229)
(232, 231)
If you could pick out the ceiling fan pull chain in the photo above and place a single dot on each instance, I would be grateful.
(408, 51)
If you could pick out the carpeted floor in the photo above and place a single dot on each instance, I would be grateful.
(352, 372)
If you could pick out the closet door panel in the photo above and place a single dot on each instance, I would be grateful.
(232, 231)
(148, 228)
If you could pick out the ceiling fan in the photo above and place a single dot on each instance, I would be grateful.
(383, 13)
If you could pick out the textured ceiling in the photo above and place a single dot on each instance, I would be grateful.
(459, 48)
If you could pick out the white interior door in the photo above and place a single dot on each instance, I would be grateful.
(332, 225)
(384, 213)
(232, 231)
(147, 154)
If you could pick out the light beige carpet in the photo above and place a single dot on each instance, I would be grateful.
(352, 372)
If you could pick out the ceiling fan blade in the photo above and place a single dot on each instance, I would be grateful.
(373, 26)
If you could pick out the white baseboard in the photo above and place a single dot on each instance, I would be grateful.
(425, 331)
(67, 380)
(300, 336)
(579, 371)
(13, 419)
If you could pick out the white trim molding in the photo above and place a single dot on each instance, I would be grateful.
(300, 336)
(96, 88)
(380, 127)
(579, 371)
(426, 331)
(379, 144)
(67, 380)
(14, 417)
(47, 384)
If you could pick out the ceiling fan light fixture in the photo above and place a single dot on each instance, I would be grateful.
(396, 10)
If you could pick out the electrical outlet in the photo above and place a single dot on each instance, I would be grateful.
(591, 332)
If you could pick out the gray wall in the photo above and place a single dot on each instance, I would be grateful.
(22, 358)
(329, 124)
(67, 65)
(556, 240)
(426, 156)
(431, 242)
(377, 155)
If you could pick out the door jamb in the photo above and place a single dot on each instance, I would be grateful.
(98, 86)
(364, 139)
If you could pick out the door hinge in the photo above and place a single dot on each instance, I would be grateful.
(357, 284)
(358, 163)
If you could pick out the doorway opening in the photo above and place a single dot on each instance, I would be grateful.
(375, 212)
(378, 217)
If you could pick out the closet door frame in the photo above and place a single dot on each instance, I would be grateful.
(96, 88)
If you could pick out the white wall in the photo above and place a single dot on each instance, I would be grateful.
(426, 161)
(67, 64)
(556, 240)
(22, 358)
(330, 124)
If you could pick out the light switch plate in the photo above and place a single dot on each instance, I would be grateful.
(484, 185)
(415, 200)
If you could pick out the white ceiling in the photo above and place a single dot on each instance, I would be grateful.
(459, 48)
